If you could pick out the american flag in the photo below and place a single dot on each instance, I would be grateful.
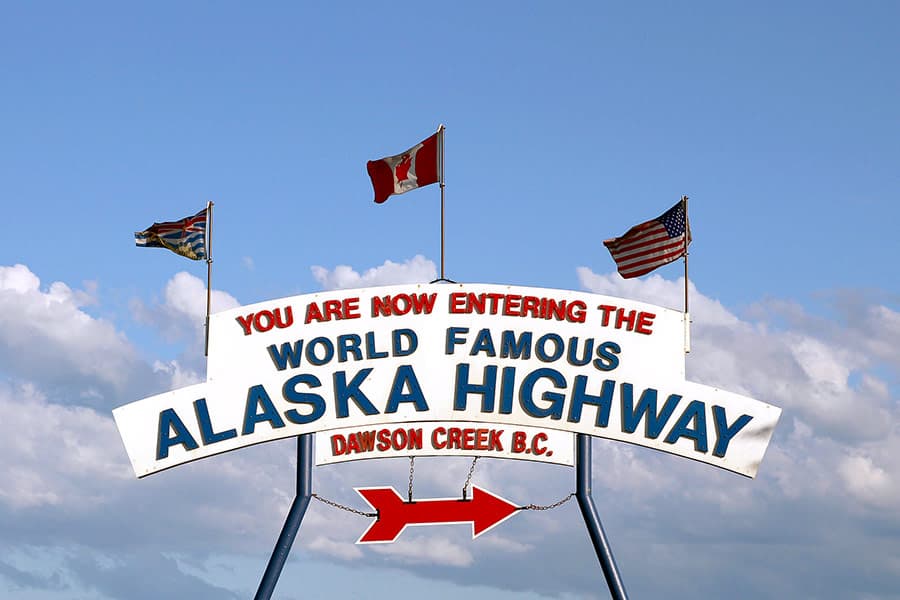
(651, 244)
(186, 237)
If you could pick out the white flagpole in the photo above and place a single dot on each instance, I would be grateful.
(687, 318)
(209, 260)
(441, 167)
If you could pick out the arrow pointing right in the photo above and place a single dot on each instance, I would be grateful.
(485, 511)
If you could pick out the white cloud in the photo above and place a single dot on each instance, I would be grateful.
(46, 336)
(185, 295)
(835, 455)
(867, 481)
(60, 456)
(18, 278)
(180, 375)
(181, 315)
(344, 550)
(502, 543)
(807, 369)
(656, 290)
(415, 270)
(834, 427)
(427, 549)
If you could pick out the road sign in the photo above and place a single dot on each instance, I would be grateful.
(484, 510)
(374, 361)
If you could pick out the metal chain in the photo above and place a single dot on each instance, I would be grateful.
(549, 506)
(342, 507)
(412, 461)
(375, 514)
(469, 477)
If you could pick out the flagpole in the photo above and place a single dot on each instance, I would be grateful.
(687, 318)
(441, 165)
(209, 260)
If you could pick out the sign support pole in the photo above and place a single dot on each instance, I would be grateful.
(293, 519)
(592, 520)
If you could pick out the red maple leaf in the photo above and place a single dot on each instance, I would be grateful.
(403, 166)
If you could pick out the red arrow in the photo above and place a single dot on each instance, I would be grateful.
(485, 510)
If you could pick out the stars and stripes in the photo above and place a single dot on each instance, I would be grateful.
(651, 244)
(186, 237)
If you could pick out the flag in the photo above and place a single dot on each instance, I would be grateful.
(186, 237)
(652, 244)
(419, 166)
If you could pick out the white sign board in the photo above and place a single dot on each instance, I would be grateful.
(516, 357)
(457, 438)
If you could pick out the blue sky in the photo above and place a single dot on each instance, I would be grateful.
(566, 124)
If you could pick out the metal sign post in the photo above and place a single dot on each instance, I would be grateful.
(293, 520)
(589, 512)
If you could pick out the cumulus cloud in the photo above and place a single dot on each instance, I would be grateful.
(841, 409)
(867, 481)
(344, 550)
(415, 270)
(179, 374)
(143, 575)
(835, 459)
(47, 337)
(62, 453)
(807, 369)
(181, 315)
(61, 456)
(431, 549)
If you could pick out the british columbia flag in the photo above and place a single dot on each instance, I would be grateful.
(186, 237)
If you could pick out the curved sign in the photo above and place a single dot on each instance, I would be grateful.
(465, 367)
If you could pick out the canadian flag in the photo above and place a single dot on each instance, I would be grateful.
(417, 167)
